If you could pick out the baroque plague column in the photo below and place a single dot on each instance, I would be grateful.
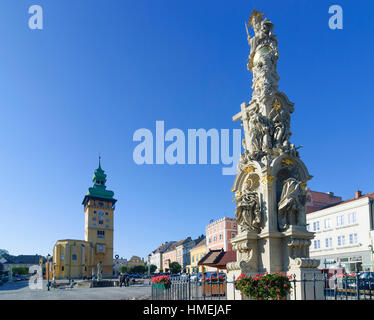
(270, 184)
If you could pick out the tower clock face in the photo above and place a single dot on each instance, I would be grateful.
(101, 213)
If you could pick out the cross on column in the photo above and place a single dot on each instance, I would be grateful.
(244, 116)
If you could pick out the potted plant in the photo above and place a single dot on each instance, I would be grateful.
(276, 286)
(161, 282)
(214, 285)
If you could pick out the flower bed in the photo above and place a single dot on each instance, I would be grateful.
(161, 282)
(276, 286)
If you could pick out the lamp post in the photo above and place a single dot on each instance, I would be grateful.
(47, 271)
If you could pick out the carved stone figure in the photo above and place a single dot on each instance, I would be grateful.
(281, 119)
(248, 211)
(99, 271)
(291, 203)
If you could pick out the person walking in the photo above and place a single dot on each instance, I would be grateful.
(120, 278)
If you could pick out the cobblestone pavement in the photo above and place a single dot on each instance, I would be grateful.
(21, 291)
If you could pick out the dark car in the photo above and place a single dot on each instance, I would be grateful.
(366, 280)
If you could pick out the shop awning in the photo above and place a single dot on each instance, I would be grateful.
(217, 258)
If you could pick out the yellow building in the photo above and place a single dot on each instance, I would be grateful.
(135, 261)
(80, 258)
(196, 253)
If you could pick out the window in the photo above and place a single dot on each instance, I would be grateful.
(94, 219)
(101, 234)
(193, 258)
(316, 226)
(339, 220)
(308, 227)
(220, 237)
(101, 204)
(100, 248)
(328, 242)
(106, 213)
(215, 238)
(107, 220)
(317, 244)
(327, 223)
(94, 225)
(62, 257)
(352, 218)
(353, 239)
(74, 257)
(233, 235)
(62, 268)
(95, 211)
(341, 240)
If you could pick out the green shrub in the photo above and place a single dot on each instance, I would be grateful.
(275, 286)
(20, 270)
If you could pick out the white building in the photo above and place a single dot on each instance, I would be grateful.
(117, 264)
(344, 233)
(183, 252)
(155, 257)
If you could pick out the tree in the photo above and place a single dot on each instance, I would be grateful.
(20, 270)
(175, 267)
(3, 253)
(139, 269)
(123, 269)
(152, 268)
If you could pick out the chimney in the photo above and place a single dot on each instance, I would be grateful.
(358, 194)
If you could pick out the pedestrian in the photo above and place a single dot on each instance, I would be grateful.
(120, 278)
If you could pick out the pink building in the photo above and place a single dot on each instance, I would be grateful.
(219, 233)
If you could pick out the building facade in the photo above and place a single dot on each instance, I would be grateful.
(118, 263)
(155, 257)
(134, 262)
(318, 200)
(170, 255)
(183, 252)
(196, 253)
(82, 258)
(344, 233)
(220, 232)
(21, 261)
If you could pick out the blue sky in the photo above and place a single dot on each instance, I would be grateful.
(100, 70)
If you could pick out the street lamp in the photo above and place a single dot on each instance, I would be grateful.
(47, 271)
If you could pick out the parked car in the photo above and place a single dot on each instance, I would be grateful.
(196, 277)
(366, 280)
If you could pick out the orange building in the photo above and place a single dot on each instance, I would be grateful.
(219, 233)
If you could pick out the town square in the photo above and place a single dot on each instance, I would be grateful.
(186, 151)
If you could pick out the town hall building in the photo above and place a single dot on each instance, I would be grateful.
(76, 259)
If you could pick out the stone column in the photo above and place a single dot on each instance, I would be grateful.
(270, 184)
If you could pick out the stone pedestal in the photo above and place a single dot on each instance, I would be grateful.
(309, 283)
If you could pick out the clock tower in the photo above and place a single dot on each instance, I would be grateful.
(99, 206)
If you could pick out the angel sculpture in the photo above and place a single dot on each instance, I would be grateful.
(291, 204)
